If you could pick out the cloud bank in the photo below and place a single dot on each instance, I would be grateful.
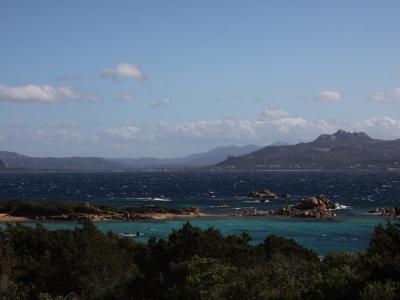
(167, 139)
(272, 125)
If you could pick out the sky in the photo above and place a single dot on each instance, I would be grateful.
(170, 78)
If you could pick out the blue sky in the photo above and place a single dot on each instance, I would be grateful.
(168, 78)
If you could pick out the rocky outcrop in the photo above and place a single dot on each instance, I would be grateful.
(318, 213)
(265, 194)
(320, 202)
(384, 211)
(318, 207)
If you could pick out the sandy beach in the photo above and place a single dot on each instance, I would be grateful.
(8, 218)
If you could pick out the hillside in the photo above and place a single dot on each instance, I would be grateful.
(339, 151)
(15, 161)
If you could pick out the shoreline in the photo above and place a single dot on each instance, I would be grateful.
(6, 218)
(317, 208)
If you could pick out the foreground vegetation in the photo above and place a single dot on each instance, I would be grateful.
(191, 263)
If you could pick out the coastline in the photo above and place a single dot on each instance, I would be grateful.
(317, 208)
(7, 218)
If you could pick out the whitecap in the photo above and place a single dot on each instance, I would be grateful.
(257, 201)
(246, 207)
(253, 201)
(220, 206)
(341, 206)
(159, 199)
(154, 199)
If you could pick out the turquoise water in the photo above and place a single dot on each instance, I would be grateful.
(322, 236)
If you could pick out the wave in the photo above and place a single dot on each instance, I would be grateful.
(341, 206)
(256, 201)
(240, 197)
(155, 199)
(245, 207)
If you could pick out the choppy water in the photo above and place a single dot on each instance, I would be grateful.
(359, 191)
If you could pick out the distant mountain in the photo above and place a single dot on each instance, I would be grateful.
(339, 151)
(15, 161)
(279, 143)
(208, 158)
(2, 165)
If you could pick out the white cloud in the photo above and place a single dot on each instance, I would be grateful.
(274, 113)
(124, 71)
(274, 124)
(126, 97)
(62, 125)
(392, 96)
(280, 119)
(125, 132)
(226, 129)
(44, 93)
(328, 96)
(50, 136)
(161, 102)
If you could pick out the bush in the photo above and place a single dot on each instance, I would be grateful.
(191, 263)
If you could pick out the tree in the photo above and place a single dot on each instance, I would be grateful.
(383, 255)
(289, 248)
(381, 291)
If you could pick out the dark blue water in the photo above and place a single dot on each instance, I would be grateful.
(203, 189)
(358, 191)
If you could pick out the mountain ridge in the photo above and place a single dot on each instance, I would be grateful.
(12, 161)
(339, 151)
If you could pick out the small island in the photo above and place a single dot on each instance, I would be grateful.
(20, 211)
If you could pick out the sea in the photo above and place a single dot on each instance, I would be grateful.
(216, 191)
